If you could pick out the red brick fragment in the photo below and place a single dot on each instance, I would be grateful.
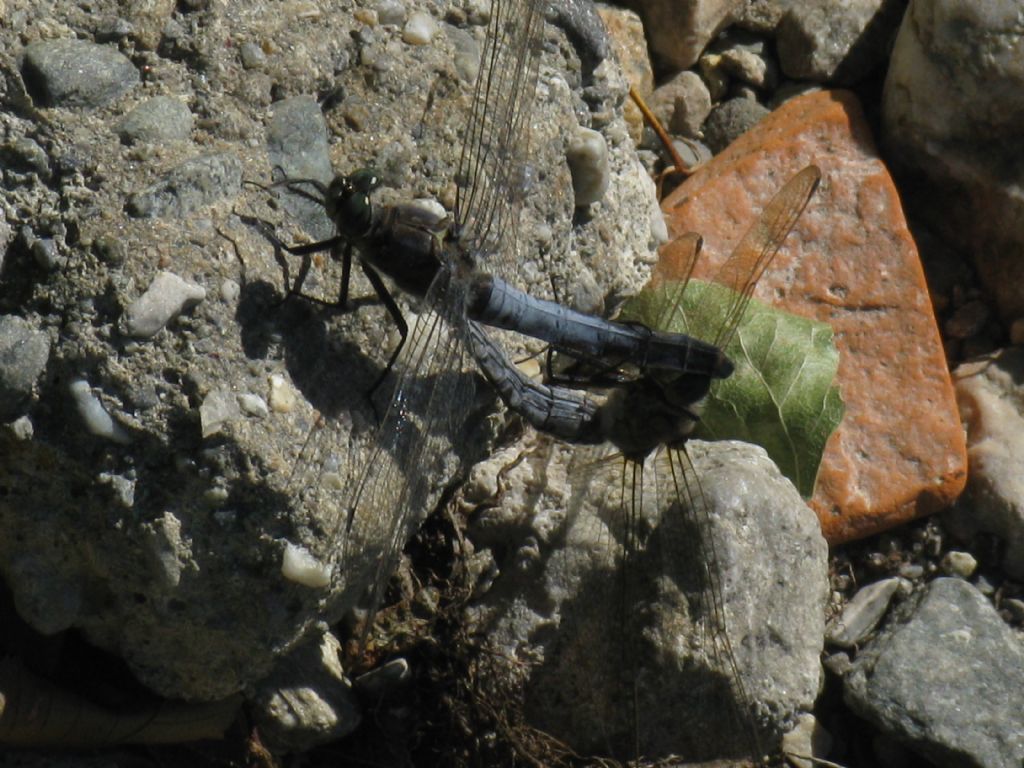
(850, 261)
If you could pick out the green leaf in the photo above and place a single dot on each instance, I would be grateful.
(782, 394)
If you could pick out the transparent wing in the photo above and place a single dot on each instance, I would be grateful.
(411, 459)
(755, 251)
(689, 559)
(496, 144)
(644, 653)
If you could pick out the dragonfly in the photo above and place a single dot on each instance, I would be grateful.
(662, 514)
(454, 266)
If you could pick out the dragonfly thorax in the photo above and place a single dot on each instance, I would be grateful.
(638, 417)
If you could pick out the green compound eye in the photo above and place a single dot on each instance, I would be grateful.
(348, 197)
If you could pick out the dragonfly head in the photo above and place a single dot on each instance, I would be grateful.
(348, 202)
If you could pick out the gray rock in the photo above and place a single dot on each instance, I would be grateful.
(862, 614)
(729, 120)
(165, 298)
(297, 149)
(682, 103)
(988, 393)
(24, 352)
(839, 43)
(307, 700)
(947, 681)
(193, 596)
(76, 74)
(24, 155)
(744, 57)
(194, 184)
(952, 108)
(701, 19)
(157, 120)
(558, 601)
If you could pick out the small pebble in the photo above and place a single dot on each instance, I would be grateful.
(300, 566)
(190, 186)
(861, 614)
(21, 428)
(252, 56)
(76, 73)
(960, 564)
(254, 405)
(587, 156)
(967, 320)
(157, 120)
(44, 251)
(1015, 608)
(24, 354)
(97, 421)
(419, 29)
(383, 679)
(167, 296)
(230, 290)
(390, 12)
(282, 394)
(219, 408)
(911, 571)
(366, 16)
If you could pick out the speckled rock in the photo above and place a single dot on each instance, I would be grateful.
(952, 108)
(557, 528)
(77, 73)
(851, 262)
(24, 352)
(159, 119)
(989, 393)
(839, 43)
(679, 31)
(918, 682)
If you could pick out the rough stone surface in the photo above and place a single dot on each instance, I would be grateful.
(730, 120)
(989, 392)
(626, 34)
(24, 352)
(167, 550)
(952, 108)
(159, 119)
(850, 261)
(307, 700)
(946, 679)
(678, 30)
(838, 43)
(77, 73)
(192, 185)
(682, 103)
(556, 530)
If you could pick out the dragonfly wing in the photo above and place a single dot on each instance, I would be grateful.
(416, 451)
(496, 144)
(742, 270)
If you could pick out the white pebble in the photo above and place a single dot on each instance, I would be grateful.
(282, 394)
(299, 565)
(163, 301)
(587, 156)
(230, 290)
(218, 408)
(419, 29)
(95, 416)
(959, 563)
(254, 405)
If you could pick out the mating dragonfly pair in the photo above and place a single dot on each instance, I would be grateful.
(636, 388)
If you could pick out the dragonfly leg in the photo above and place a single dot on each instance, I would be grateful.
(396, 314)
